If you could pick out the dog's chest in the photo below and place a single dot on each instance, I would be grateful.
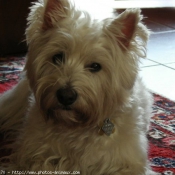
(83, 149)
(85, 152)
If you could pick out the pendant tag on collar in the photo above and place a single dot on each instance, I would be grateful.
(107, 127)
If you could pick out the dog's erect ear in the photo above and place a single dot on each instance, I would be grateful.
(124, 26)
(45, 15)
(130, 36)
(55, 10)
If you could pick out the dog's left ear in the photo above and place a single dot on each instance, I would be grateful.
(130, 36)
(125, 27)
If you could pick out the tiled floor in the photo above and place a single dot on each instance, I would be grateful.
(158, 70)
(143, 3)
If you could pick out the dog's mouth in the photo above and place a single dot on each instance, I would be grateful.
(62, 107)
(66, 108)
(68, 114)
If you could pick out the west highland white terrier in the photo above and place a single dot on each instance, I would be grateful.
(81, 108)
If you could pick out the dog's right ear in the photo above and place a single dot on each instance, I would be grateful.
(45, 15)
(55, 10)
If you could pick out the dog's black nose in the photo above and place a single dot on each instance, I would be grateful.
(66, 96)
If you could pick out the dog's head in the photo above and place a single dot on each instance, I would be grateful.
(81, 70)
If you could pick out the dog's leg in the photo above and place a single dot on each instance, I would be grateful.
(150, 172)
(13, 104)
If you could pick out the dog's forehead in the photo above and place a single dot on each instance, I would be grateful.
(87, 32)
(73, 38)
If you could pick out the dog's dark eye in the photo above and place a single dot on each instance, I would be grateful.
(95, 67)
(59, 58)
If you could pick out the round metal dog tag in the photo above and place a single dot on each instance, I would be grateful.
(108, 127)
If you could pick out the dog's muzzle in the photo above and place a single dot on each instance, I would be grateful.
(66, 96)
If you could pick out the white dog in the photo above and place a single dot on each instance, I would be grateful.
(81, 106)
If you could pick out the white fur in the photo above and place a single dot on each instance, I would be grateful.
(50, 138)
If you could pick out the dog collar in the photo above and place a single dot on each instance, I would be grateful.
(107, 127)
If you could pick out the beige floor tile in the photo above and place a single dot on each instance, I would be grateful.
(160, 79)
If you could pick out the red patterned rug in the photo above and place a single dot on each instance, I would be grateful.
(162, 136)
(10, 68)
(162, 129)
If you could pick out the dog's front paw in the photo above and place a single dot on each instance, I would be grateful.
(150, 172)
